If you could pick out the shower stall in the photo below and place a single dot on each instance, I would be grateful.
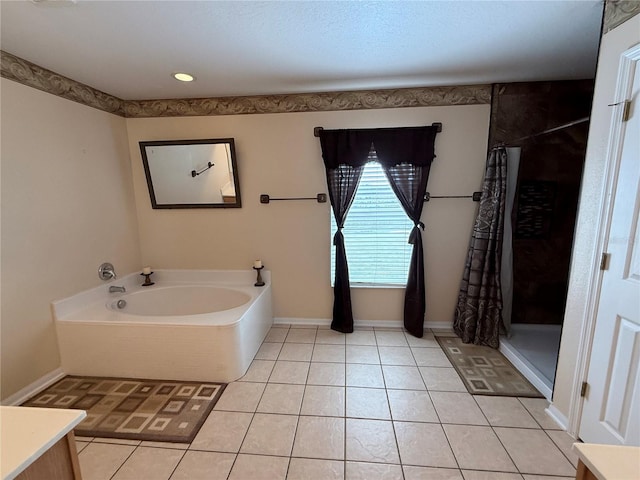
(545, 127)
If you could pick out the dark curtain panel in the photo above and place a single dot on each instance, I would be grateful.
(478, 316)
(345, 154)
(409, 182)
(405, 155)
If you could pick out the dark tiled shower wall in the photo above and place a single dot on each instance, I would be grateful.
(549, 178)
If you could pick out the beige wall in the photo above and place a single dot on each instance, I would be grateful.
(67, 206)
(278, 155)
(585, 257)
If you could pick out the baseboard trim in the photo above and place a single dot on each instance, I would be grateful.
(34, 388)
(526, 369)
(557, 416)
(326, 322)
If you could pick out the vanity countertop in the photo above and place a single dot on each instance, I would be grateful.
(26, 433)
(610, 462)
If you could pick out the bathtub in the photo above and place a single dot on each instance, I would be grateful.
(191, 325)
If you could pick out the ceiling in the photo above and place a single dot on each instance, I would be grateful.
(130, 48)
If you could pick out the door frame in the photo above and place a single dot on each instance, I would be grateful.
(624, 83)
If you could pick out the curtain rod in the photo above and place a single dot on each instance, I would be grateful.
(550, 130)
(317, 130)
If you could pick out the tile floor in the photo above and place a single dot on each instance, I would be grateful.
(375, 404)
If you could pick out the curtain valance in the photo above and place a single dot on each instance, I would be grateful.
(414, 145)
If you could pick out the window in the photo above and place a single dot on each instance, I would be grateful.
(376, 233)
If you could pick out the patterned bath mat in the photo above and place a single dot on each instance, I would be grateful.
(485, 371)
(156, 410)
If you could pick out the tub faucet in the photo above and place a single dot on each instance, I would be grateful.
(116, 289)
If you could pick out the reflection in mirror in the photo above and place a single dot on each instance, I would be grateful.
(191, 173)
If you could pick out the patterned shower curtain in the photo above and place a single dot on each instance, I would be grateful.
(478, 316)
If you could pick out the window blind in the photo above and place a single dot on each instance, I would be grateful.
(376, 233)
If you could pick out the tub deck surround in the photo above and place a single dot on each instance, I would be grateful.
(96, 338)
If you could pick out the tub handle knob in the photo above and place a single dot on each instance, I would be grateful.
(106, 272)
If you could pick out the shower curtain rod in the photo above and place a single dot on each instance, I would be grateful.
(550, 130)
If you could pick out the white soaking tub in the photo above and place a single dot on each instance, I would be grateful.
(191, 325)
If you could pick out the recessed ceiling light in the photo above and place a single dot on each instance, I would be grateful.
(184, 77)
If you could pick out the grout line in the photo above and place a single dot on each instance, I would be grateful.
(125, 461)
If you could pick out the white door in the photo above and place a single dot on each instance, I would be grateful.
(611, 411)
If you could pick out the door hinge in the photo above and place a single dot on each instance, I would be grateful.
(626, 112)
(604, 261)
(583, 389)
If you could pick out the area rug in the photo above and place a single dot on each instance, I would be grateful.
(485, 371)
(156, 410)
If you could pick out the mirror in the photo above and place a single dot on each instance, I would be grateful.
(191, 173)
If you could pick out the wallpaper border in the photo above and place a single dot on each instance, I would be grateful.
(32, 75)
(616, 12)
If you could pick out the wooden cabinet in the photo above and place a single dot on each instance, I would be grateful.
(38, 443)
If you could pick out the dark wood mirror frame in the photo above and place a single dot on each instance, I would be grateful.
(173, 174)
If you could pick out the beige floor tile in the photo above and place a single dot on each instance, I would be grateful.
(564, 442)
(146, 462)
(296, 352)
(361, 337)
(268, 351)
(454, 407)
(313, 469)
(328, 353)
(323, 401)
(505, 412)
(368, 471)
(276, 335)
(430, 357)
(478, 475)
(396, 356)
(204, 466)
(371, 441)
(330, 337)
(390, 338)
(424, 444)
(301, 335)
(427, 340)
(289, 372)
(281, 398)
(320, 437)
(545, 477)
(402, 378)
(240, 397)
(259, 467)
(117, 441)
(171, 445)
(258, 371)
(431, 473)
(363, 354)
(367, 403)
(83, 439)
(100, 461)
(411, 406)
(443, 332)
(364, 376)
(536, 407)
(326, 374)
(478, 448)
(534, 452)
(270, 434)
(81, 446)
(222, 432)
(442, 379)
